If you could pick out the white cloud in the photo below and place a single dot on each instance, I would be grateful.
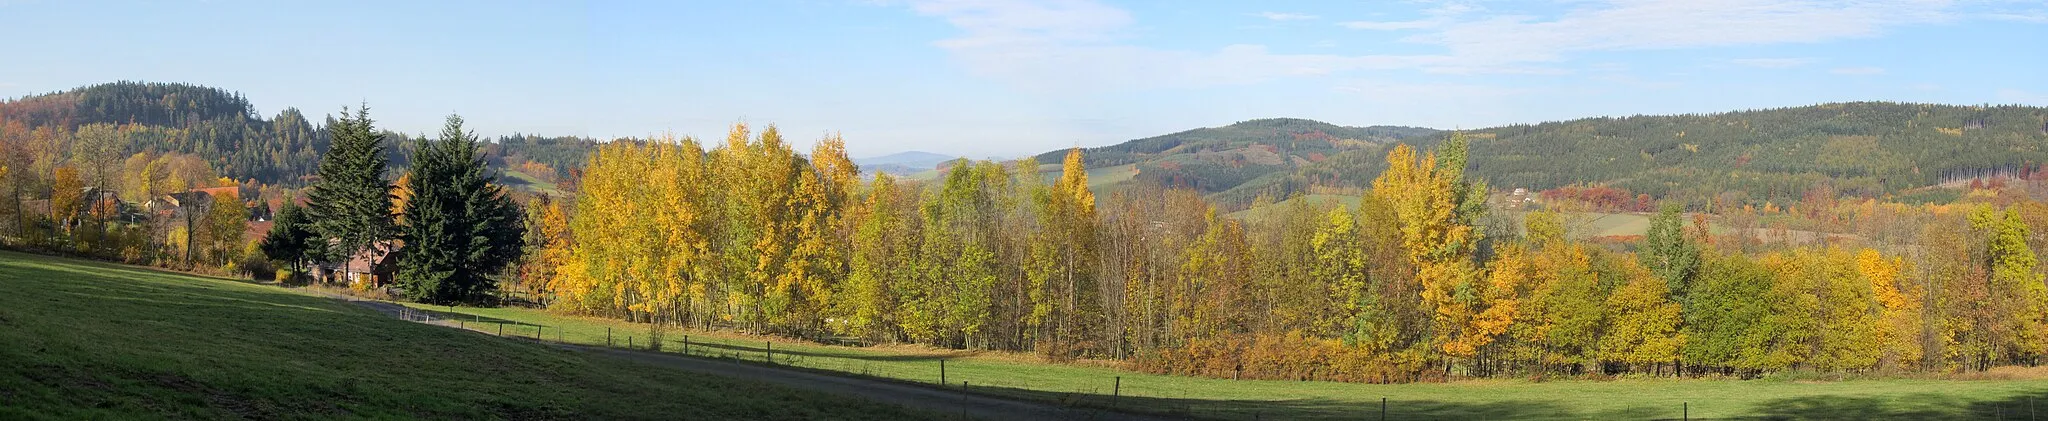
(1393, 25)
(2034, 16)
(1072, 45)
(1083, 45)
(1858, 71)
(1773, 63)
(1643, 25)
(1438, 16)
(1280, 16)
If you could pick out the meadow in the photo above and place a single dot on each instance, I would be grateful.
(2007, 394)
(87, 340)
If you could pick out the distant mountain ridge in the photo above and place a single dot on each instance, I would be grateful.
(903, 163)
(1856, 149)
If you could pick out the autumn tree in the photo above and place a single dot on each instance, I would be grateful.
(1067, 307)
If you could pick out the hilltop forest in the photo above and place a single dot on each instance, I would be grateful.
(1430, 275)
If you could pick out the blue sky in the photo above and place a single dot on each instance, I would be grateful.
(1013, 77)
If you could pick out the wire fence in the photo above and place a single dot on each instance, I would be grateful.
(1113, 394)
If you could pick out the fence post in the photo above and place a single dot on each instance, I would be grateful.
(771, 352)
(629, 341)
(536, 333)
(942, 371)
(1116, 392)
(501, 328)
(1685, 411)
(686, 344)
(1383, 408)
(607, 337)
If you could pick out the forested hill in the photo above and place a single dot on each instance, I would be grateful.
(1868, 149)
(1238, 161)
(170, 117)
(224, 129)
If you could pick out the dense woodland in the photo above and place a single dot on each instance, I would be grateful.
(1429, 276)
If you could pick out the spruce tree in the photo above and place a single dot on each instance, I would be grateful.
(460, 227)
(290, 239)
(350, 205)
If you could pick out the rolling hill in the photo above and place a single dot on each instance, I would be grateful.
(1860, 149)
(1238, 162)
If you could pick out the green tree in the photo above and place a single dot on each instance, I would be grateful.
(1668, 253)
(350, 204)
(460, 228)
(290, 239)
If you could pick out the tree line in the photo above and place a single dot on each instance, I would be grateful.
(1422, 280)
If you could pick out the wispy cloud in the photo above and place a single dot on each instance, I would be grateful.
(1086, 45)
(1437, 17)
(1857, 71)
(1773, 63)
(1280, 16)
(2031, 16)
(1042, 44)
(1647, 25)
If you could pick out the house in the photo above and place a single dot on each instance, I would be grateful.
(198, 199)
(374, 267)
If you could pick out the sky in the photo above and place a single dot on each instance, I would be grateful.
(1006, 78)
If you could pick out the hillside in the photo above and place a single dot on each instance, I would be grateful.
(1862, 149)
(1236, 163)
(220, 126)
(81, 340)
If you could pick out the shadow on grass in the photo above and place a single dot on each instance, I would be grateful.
(2028, 406)
(779, 352)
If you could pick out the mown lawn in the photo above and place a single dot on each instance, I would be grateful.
(84, 340)
(1014, 375)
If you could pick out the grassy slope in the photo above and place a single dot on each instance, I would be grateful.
(1225, 399)
(81, 340)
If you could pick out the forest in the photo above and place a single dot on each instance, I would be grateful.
(1430, 275)
(1421, 281)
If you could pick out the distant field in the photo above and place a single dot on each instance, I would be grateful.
(1089, 385)
(1348, 201)
(82, 340)
(528, 182)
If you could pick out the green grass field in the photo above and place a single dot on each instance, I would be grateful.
(83, 340)
(1021, 376)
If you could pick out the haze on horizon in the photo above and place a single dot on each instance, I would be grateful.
(1014, 77)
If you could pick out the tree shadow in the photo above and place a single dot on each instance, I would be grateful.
(763, 349)
(1924, 406)
(1097, 406)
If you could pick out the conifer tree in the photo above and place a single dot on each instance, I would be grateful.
(290, 238)
(460, 227)
(350, 204)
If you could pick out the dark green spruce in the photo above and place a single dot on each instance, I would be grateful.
(290, 239)
(350, 204)
(460, 227)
